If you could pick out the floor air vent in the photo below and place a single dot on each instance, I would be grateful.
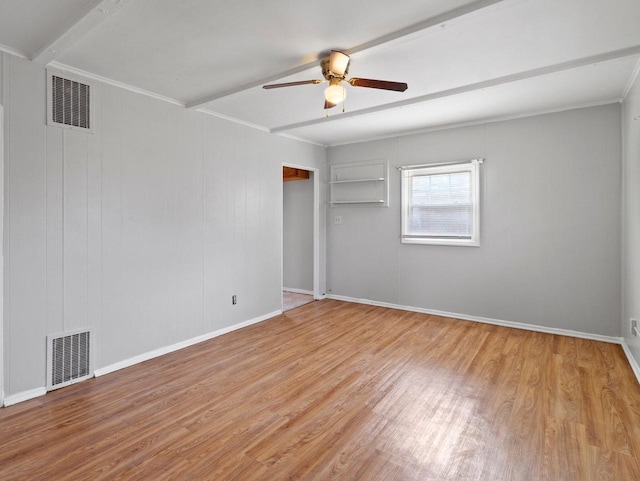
(69, 358)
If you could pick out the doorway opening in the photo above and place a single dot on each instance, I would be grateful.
(300, 228)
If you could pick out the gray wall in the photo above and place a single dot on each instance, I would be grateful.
(143, 230)
(297, 242)
(550, 233)
(631, 216)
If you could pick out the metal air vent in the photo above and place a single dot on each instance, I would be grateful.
(69, 358)
(69, 102)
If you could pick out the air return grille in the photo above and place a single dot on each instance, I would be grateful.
(69, 358)
(69, 102)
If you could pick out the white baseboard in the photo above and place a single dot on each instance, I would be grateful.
(516, 325)
(33, 393)
(297, 291)
(180, 345)
(41, 391)
(24, 396)
(485, 320)
(632, 360)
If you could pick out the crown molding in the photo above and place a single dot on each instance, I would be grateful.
(489, 120)
(12, 51)
(115, 83)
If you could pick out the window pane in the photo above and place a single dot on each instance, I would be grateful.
(441, 205)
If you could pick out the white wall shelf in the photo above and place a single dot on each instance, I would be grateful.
(360, 183)
(379, 179)
(357, 201)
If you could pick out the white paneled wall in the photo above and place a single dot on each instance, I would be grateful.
(25, 227)
(144, 229)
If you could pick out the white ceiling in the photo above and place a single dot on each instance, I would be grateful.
(465, 61)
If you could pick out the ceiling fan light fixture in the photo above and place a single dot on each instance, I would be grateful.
(338, 63)
(335, 93)
(335, 67)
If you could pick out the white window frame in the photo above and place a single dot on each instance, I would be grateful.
(406, 173)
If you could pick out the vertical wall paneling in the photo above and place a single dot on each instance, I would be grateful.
(188, 263)
(238, 213)
(55, 227)
(143, 229)
(136, 218)
(255, 236)
(111, 325)
(160, 205)
(75, 215)
(218, 179)
(94, 222)
(269, 288)
(257, 216)
(260, 230)
(26, 246)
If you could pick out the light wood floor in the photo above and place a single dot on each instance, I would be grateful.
(343, 391)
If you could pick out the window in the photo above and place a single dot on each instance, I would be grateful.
(440, 204)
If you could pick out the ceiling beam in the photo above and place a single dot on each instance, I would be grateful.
(412, 29)
(98, 12)
(527, 74)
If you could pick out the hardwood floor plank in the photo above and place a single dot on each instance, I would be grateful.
(341, 391)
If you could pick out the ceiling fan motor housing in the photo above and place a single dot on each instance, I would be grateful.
(325, 63)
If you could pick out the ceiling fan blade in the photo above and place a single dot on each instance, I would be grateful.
(338, 63)
(291, 84)
(329, 105)
(378, 84)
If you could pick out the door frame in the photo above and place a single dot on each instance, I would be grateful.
(1, 255)
(316, 228)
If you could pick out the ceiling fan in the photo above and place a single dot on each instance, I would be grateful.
(334, 69)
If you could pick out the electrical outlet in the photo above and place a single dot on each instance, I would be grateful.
(337, 219)
(634, 326)
(234, 300)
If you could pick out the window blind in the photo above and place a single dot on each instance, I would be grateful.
(440, 203)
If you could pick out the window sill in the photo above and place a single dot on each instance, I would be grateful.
(442, 242)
